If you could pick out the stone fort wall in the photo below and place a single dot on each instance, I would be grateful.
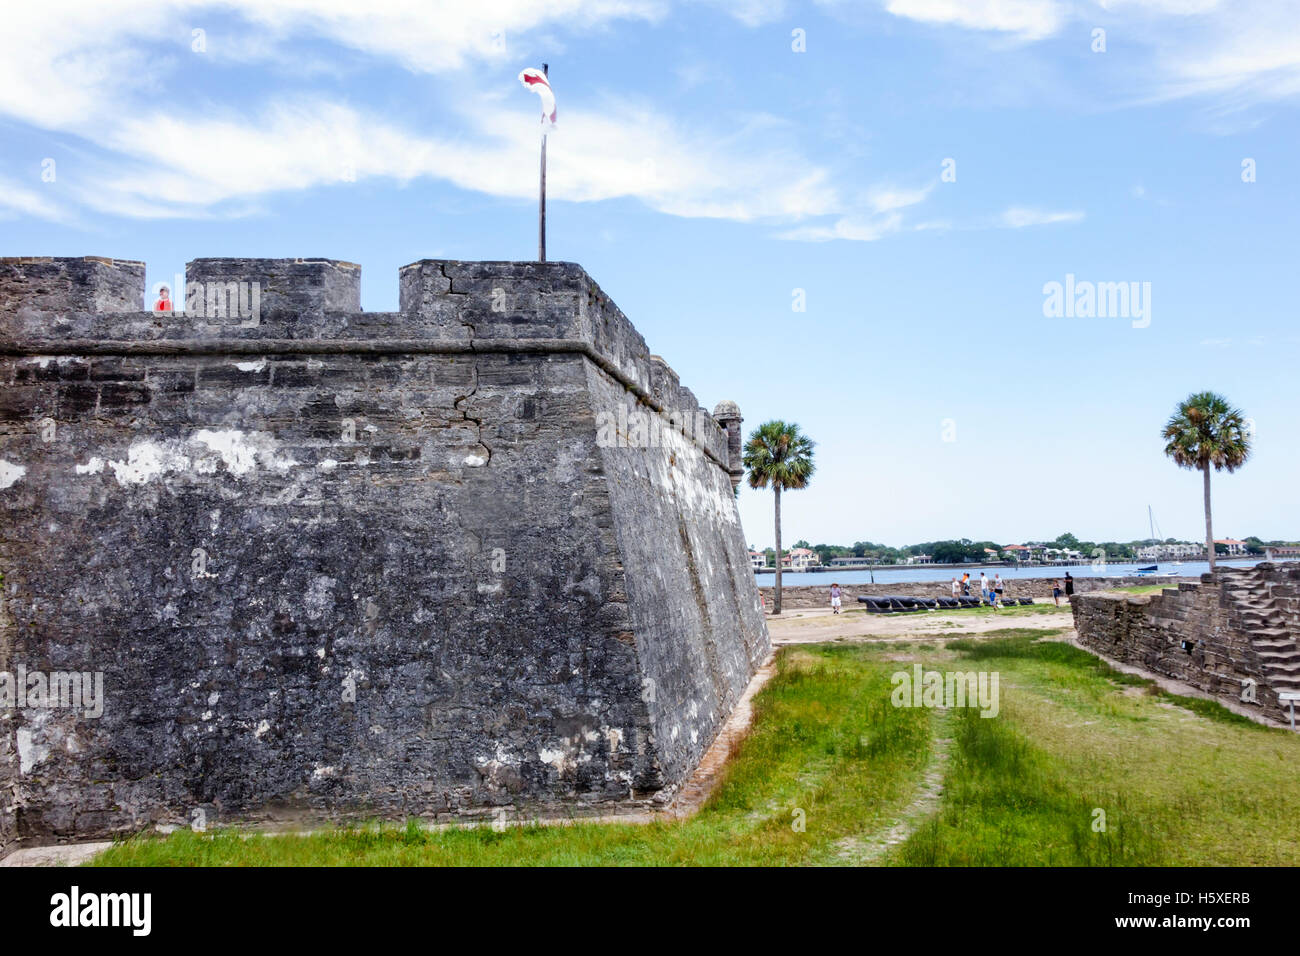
(337, 564)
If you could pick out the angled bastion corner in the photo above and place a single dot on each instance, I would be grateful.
(393, 566)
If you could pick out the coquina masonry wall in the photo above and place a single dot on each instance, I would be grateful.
(341, 564)
(1235, 634)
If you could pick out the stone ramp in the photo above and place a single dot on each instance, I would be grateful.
(1234, 635)
(1255, 609)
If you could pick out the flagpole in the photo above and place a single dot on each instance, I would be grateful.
(541, 205)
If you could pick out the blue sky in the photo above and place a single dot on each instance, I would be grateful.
(705, 169)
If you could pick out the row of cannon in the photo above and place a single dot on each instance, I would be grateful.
(879, 603)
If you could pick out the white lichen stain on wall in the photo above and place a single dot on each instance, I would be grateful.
(553, 758)
(241, 453)
(682, 471)
(318, 600)
(10, 473)
(146, 460)
(32, 750)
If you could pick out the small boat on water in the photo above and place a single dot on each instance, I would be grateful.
(1153, 571)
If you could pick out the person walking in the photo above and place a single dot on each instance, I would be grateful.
(998, 588)
(835, 599)
(965, 583)
(956, 586)
(985, 591)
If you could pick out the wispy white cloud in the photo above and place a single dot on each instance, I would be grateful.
(752, 13)
(1237, 51)
(18, 200)
(1018, 217)
(887, 198)
(1027, 19)
(854, 228)
(81, 69)
(877, 214)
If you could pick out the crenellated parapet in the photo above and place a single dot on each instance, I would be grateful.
(262, 306)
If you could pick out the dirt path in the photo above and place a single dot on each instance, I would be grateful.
(868, 851)
(814, 626)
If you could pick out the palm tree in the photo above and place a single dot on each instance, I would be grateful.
(1206, 431)
(779, 455)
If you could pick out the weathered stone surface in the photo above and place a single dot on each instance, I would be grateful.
(339, 564)
(83, 283)
(289, 287)
(1236, 634)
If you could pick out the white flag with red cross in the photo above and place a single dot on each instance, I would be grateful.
(536, 80)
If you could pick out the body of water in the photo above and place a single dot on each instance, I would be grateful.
(921, 572)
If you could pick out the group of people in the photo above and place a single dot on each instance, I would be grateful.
(1064, 586)
(990, 590)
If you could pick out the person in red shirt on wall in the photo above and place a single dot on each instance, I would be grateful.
(164, 303)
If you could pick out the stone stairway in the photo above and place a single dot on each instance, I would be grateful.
(1253, 609)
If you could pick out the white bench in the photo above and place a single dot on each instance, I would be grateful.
(1289, 696)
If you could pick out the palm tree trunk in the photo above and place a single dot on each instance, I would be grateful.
(776, 599)
(1209, 530)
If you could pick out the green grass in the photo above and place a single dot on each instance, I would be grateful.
(1145, 588)
(1180, 781)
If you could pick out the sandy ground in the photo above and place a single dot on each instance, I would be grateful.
(811, 626)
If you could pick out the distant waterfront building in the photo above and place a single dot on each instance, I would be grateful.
(1061, 554)
(1179, 549)
(799, 559)
(1282, 552)
(1018, 552)
(1234, 546)
(850, 560)
(757, 560)
(920, 559)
